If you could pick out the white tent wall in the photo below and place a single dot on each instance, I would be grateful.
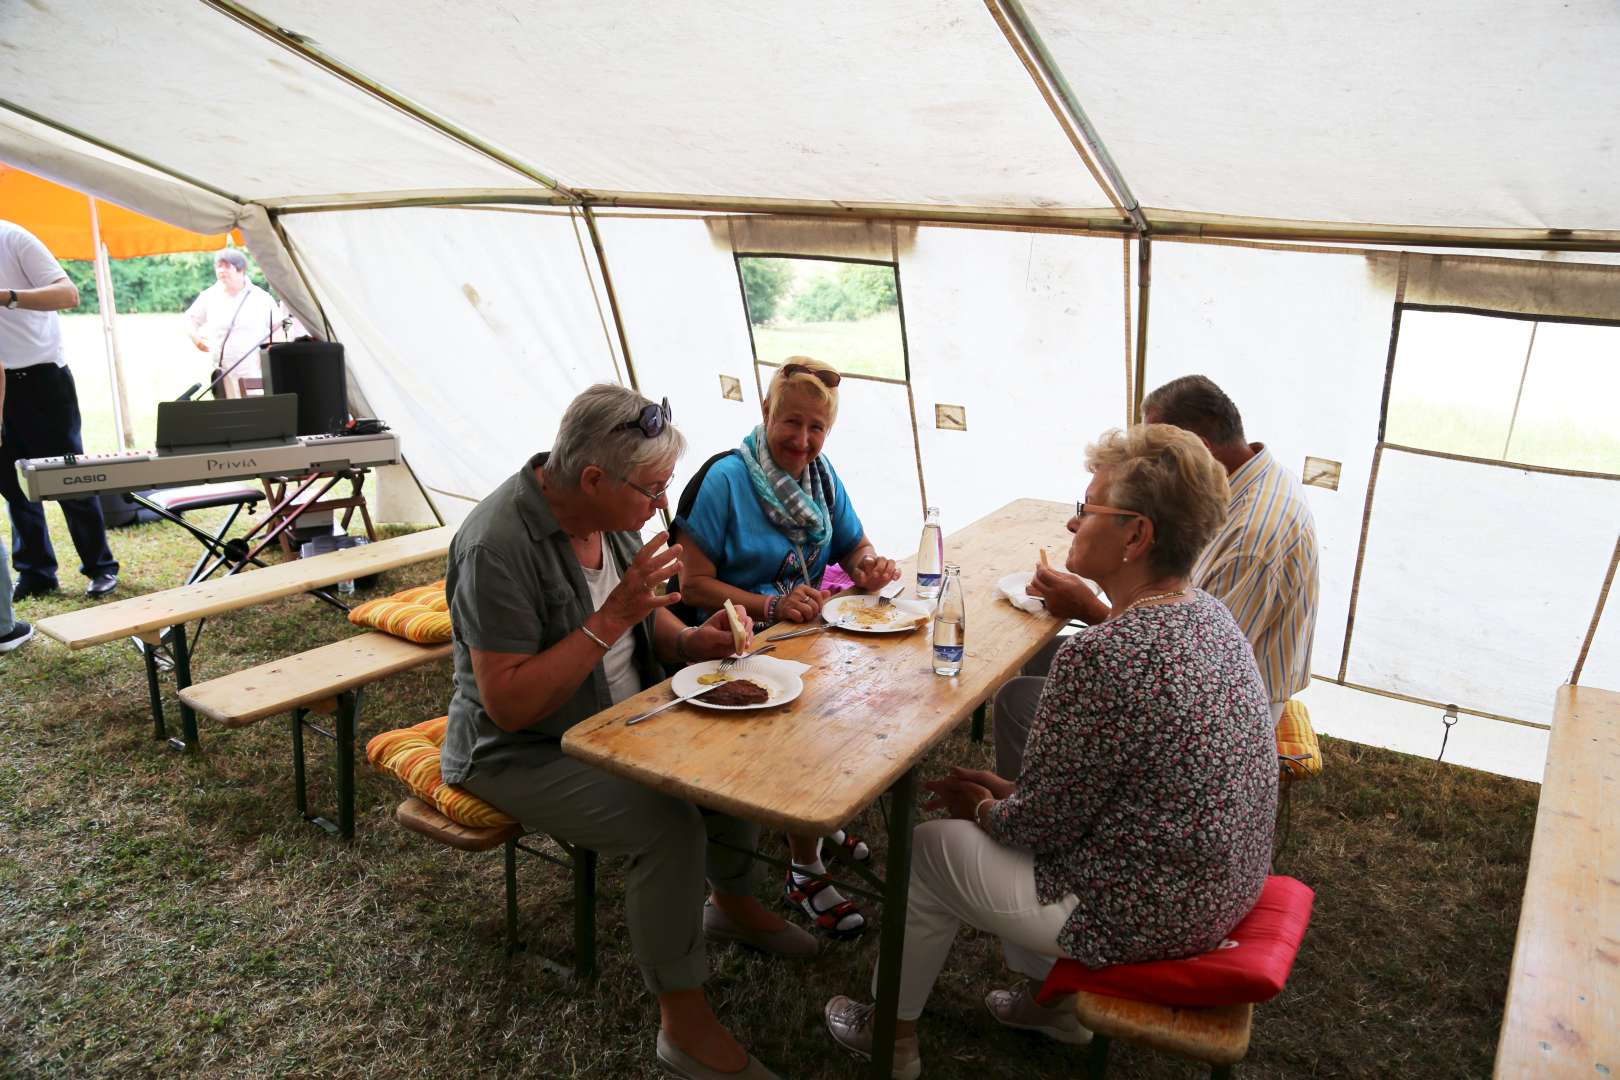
(1602, 667)
(1479, 582)
(468, 330)
(683, 318)
(1026, 331)
(1300, 342)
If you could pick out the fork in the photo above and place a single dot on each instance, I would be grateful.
(889, 592)
(730, 662)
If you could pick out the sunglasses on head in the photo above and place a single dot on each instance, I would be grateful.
(652, 420)
(829, 379)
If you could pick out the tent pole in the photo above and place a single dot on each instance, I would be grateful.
(1144, 285)
(613, 298)
(124, 430)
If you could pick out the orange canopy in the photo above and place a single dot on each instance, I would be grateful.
(60, 217)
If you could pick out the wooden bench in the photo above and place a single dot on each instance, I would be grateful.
(159, 618)
(327, 680)
(1217, 1037)
(419, 817)
(1562, 1017)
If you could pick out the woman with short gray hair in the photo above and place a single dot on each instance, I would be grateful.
(556, 615)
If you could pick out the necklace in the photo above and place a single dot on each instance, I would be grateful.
(1140, 600)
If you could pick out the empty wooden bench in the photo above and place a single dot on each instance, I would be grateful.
(327, 680)
(1563, 999)
(160, 618)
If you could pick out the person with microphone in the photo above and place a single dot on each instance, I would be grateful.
(230, 320)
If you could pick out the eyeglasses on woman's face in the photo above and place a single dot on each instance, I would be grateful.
(653, 495)
(829, 379)
(652, 420)
(1081, 509)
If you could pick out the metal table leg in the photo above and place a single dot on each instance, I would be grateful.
(182, 678)
(159, 730)
(897, 886)
(348, 707)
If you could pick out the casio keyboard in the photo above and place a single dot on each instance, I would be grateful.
(77, 475)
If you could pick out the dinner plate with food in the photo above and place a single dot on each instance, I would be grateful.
(863, 614)
(755, 683)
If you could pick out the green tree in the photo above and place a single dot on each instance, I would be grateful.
(764, 283)
(855, 291)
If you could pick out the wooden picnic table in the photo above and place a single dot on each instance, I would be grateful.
(160, 617)
(871, 710)
(1563, 1004)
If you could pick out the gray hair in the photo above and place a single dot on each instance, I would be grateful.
(232, 256)
(594, 432)
(1194, 403)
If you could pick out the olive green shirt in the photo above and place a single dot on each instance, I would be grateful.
(515, 586)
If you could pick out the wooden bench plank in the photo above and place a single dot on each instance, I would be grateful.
(154, 612)
(1215, 1036)
(282, 685)
(1563, 1004)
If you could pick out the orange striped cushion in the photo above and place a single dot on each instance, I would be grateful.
(412, 754)
(1296, 736)
(421, 615)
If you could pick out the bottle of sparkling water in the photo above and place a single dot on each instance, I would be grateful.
(930, 555)
(950, 622)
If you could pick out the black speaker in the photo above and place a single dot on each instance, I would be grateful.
(314, 371)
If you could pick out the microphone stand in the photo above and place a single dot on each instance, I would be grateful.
(195, 387)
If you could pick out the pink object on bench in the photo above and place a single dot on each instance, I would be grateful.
(1251, 965)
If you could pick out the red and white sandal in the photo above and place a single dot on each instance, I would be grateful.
(831, 919)
(847, 846)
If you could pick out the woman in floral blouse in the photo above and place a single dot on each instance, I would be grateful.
(1139, 827)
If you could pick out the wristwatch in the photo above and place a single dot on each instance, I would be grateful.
(13, 301)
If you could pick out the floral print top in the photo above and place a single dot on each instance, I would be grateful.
(1149, 784)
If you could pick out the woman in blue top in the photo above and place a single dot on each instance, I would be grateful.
(759, 529)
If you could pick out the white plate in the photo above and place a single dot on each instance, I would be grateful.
(906, 614)
(783, 687)
(1015, 582)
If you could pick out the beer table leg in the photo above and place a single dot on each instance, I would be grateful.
(897, 885)
(182, 678)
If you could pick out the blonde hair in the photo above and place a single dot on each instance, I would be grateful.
(1167, 475)
(802, 382)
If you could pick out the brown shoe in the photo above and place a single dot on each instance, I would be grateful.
(790, 940)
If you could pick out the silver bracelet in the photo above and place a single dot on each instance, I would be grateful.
(593, 637)
(978, 819)
(680, 645)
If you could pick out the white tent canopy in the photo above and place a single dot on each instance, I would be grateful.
(495, 205)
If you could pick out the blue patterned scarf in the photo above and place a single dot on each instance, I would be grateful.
(798, 510)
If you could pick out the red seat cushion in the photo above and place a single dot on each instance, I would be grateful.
(1251, 965)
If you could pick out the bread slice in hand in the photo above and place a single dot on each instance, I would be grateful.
(739, 636)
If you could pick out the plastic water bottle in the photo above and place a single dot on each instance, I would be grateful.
(930, 555)
(346, 586)
(950, 623)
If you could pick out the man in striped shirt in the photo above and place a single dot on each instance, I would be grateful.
(1262, 565)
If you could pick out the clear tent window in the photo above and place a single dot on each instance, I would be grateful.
(1512, 389)
(843, 312)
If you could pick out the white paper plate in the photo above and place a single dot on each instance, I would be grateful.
(905, 614)
(783, 687)
(1014, 583)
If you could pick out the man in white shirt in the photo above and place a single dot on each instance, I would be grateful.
(230, 320)
(41, 416)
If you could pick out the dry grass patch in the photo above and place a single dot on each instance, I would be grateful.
(169, 915)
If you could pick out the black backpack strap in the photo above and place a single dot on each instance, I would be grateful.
(684, 611)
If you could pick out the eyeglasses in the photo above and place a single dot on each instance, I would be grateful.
(652, 496)
(652, 420)
(829, 379)
(1081, 509)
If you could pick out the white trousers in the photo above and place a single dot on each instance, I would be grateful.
(960, 875)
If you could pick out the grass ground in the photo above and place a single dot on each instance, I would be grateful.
(868, 346)
(168, 915)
